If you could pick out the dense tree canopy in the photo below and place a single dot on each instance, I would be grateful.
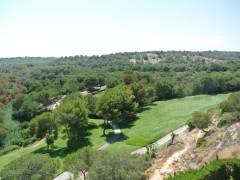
(164, 90)
(45, 125)
(117, 105)
(110, 167)
(72, 114)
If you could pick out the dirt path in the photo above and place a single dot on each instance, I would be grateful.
(162, 140)
(30, 147)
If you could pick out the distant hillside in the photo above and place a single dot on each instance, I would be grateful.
(146, 56)
(26, 59)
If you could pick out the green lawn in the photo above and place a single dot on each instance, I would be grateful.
(161, 118)
(60, 151)
(153, 123)
(5, 159)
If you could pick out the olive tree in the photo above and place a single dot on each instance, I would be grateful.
(80, 161)
(200, 120)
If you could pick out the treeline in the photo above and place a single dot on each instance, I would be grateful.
(48, 87)
(40, 93)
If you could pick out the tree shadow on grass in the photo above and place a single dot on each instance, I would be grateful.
(130, 123)
(92, 126)
(112, 138)
(62, 152)
(146, 108)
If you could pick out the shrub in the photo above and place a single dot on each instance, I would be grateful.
(232, 103)
(229, 118)
(35, 167)
(190, 125)
(218, 169)
(201, 142)
(121, 166)
(199, 120)
(151, 150)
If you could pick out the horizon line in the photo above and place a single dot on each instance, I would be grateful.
(119, 52)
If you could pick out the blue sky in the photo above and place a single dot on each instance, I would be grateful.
(71, 27)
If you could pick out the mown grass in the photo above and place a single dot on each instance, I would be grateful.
(153, 123)
(161, 118)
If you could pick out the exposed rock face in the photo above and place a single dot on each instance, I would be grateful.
(183, 155)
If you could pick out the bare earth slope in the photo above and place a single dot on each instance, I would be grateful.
(183, 155)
